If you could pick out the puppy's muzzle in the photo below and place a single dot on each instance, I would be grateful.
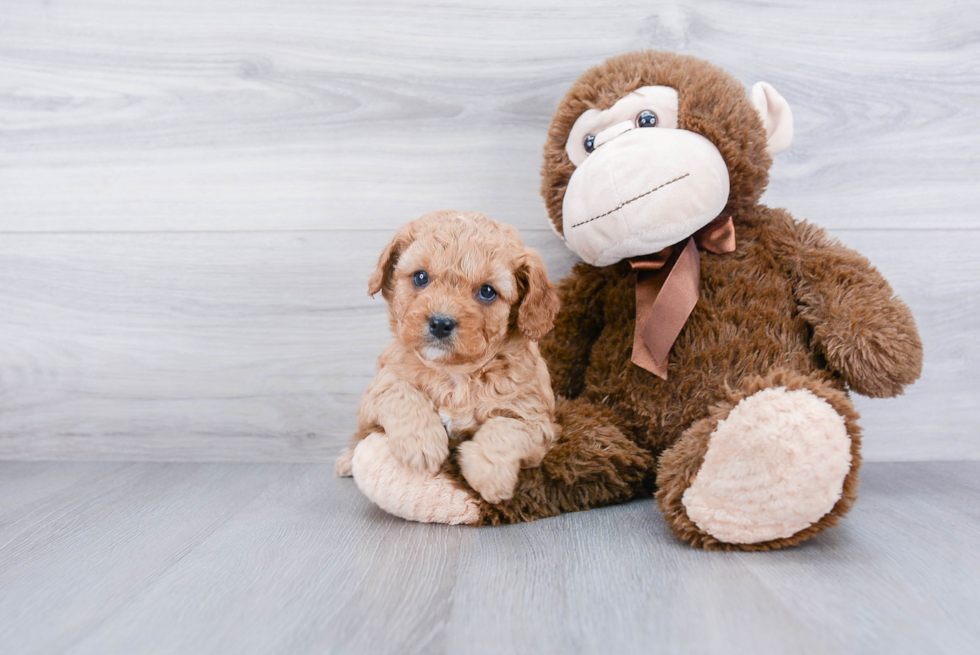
(441, 327)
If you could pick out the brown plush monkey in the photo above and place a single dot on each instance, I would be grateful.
(706, 346)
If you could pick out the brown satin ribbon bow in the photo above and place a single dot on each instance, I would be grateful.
(668, 284)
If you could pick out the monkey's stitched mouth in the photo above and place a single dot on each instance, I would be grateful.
(623, 204)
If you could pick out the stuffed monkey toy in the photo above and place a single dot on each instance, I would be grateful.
(707, 344)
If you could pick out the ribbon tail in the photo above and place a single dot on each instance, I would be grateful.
(659, 323)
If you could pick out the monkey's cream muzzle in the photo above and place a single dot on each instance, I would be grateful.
(640, 191)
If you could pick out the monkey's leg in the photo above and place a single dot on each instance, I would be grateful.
(592, 464)
(775, 464)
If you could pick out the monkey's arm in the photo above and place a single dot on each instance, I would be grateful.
(415, 434)
(862, 329)
(580, 320)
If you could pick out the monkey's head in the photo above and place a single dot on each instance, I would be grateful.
(649, 147)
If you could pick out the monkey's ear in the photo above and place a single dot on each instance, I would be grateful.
(776, 116)
(539, 304)
(381, 278)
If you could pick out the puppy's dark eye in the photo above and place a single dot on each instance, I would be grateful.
(421, 279)
(589, 143)
(487, 293)
(646, 118)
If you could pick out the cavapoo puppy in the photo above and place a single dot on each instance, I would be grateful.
(467, 303)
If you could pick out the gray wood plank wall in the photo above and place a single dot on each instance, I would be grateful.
(193, 193)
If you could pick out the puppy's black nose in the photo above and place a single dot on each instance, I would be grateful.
(441, 327)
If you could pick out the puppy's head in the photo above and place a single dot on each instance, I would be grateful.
(458, 284)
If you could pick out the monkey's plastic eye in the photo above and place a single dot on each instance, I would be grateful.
(589, 143)
(646, 118)
(421, 279)
(487, 293)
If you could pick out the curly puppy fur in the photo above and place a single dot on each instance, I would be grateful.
(484, 387)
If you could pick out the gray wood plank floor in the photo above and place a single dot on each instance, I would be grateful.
(194, 191)
(285, 558)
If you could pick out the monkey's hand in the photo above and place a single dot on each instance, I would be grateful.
(342, 465)
(862, 329)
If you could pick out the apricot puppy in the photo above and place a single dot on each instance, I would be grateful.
(467, 303)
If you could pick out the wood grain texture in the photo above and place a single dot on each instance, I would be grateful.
(270, 115)
(194, 192)
(124, 528)
(288, 559)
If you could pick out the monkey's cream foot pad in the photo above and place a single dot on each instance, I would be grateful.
(774, 466)
(407, 493)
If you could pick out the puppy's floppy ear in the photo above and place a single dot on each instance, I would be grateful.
(381, 278)
(539, 301)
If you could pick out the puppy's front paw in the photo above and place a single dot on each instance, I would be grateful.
(422, 448)
(492, 474)
(342, 467)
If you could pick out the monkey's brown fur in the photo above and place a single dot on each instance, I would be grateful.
(790, 307)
